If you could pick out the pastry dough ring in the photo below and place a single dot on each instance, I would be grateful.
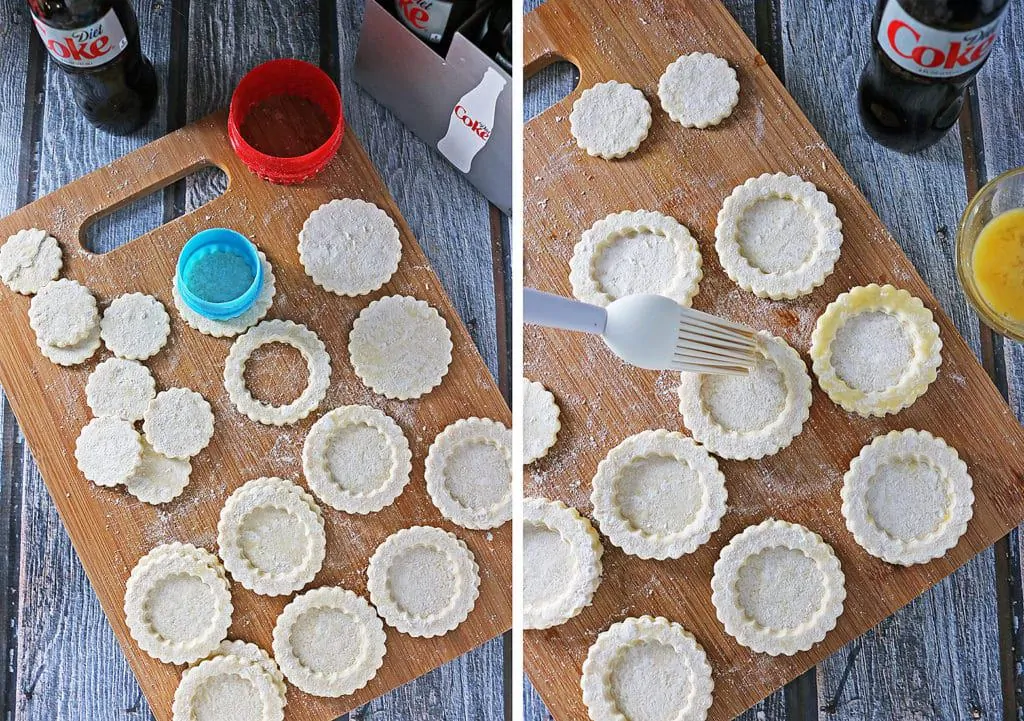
(540, 421)
(917, 322)
(194, 682)
(921, 447)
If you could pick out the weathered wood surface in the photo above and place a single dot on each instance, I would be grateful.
(68, 665)
(940, 656)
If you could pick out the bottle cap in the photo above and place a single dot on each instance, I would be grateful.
(285, 77)
(192, 277)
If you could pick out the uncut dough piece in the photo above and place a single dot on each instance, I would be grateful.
(271, 536)
(698, 90)
(907, 497)
(135, 326)
(178, 423)
(72, 355)
(540, 421)
(177, 603)
(239, 324)
(120, 389)
(561, 563)
(318, 367)
(646, 668)
(356, 459)
(108, 451)
(633, 252)
(469, 473)
(778, 236)
(228, 687)
(29, 260)
(875, 350)
(658, 495)
(400, 347)
(349, 247)
(63, 313)
(158, 479)
(254, 654)
(610, 119)
(778, 588)
(752, 415)
(329, 642)
(423, 581)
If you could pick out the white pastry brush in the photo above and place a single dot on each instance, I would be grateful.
(651, 331)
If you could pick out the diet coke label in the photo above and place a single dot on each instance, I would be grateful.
(86, 47)
(469, 127)
(427, 18)
(933, 53)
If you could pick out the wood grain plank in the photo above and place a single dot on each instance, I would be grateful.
(939, 656)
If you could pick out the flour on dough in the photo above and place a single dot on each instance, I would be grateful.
(73, 355)
(29, 260)
(135, 326)
(120, 389)
(698, 90)
(62, 313)
(178, 423)
(158, 479)
(108, 451)
(540, 421)
(228, 687)
(610, 119)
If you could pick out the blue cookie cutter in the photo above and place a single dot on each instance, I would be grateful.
(204, 244)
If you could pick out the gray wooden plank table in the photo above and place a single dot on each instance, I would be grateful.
(956, 651)
(64, 663)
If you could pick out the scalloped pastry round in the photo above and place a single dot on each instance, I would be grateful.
(177, 603)
(135, 326)
(610, 119)
(658, 495)
(469, 473)
(271, 536)
(631, 252)
(29, 259)
(108, 451)
(540, 421)
(698, 90)
(753, 415)
(228, 687)
(120, 388)
(329, 642)
(400, 347)
(231, 327)
(158, 479)
(423, 581)
(63, 313)
(778, 588)
(875, 350)
(778, 236)
(647, 668)
(178, 423)
(72, 355)
(356, 459)
(907, 497)
(561, 563)
(254, 654)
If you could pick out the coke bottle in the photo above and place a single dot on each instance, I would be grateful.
(96, 42)
(435, 20)
(925, 53)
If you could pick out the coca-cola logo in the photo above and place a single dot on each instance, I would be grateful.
(88, 44)
(416, 12)
(905, 41)
(475, 125)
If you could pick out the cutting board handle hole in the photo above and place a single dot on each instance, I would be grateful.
(122, 224)
(549, 86)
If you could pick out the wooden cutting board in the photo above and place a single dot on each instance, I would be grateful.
(687, 173)
(110, 529)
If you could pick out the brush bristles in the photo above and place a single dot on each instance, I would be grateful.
(709, 344)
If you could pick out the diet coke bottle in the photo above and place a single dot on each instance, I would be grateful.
(925, 54)
(435, 20)
(96, 42)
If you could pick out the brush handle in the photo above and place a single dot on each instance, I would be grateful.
(554, 311)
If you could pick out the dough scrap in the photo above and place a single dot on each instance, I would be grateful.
(658, 495)
(698, 90)
(647, 668)
(318, 366)
(228, 687)
(63, 313)
(178, 423)
(540, 421)
(271, 536)
(423, 581)
(239, 324)
(254, 654)
(752, 415)
(875, 350)
(29, 260)
(120, 388)
(561, 563)
(177, 604)
(158, 479)
(400, 347)
(349, 247)
(469, 473)
(633, 252)
(135, 326)
(72, 355)
(778, 236)
(108, 451)
(356, 459)
(778, 588)
(907, 497)
(329, 642)
(610, 119)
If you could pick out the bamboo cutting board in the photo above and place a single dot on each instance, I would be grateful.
(687, 173)
(110, 529)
